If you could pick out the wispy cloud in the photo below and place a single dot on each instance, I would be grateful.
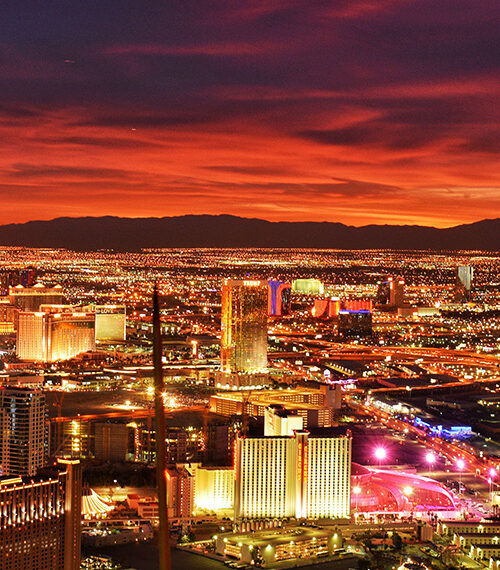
(217, 49)
(354, 110)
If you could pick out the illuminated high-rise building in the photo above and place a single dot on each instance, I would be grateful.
(180, 492)
(397, 298)
(30, 340)
(46, 336)
(300, 476)
(308, 286)
(355, 323)
(244, 332)
(8, 316)
(24, 442)
(279, 298)
(27, 277)
(69, 334)
(30, 298)
(391, 292)
(463, 282)
(8, 279)
(4, 442)
(110, 321)
(40, 519)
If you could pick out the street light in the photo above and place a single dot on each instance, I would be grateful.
(408, 492)
(356, 490)
(492, 474)
(380, 454)
(431, 459)
(460, 467)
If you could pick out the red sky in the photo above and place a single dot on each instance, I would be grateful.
(359, 112)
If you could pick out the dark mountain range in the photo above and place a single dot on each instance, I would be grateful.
(130, 234)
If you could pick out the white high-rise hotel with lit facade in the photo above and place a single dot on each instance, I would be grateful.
(301, 476)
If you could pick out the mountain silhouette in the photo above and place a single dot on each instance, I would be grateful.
(132, 234)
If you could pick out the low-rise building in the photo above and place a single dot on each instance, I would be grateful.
(463, 527)
(464, 540)
(484, 551)
(269, 546)
(316, 406)
(116, 531)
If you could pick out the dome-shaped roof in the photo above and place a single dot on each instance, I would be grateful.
(357, 470)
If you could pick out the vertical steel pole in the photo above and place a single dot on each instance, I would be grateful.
(161, 481)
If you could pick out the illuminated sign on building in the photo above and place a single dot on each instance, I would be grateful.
(279, 298)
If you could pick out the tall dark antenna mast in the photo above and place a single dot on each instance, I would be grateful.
(161, 481)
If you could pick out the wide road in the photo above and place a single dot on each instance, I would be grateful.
(453, 451)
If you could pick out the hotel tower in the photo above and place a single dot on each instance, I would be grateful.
(244, 333)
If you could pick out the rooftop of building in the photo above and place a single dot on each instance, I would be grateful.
(281, 411)
(279, 536)
(37, 288)
(478, 524)
(291, 406)
(256, 431)
(45, 474)
(333, 431)
(20, 389)
(216, 467)
(269, 394)
(178, 471)
(479, 535)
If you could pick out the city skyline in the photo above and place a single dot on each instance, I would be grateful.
(369, 405)
(362, 112)
(249, 284)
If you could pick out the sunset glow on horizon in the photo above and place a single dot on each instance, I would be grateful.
(358, 112)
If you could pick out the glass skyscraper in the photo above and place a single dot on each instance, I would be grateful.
(244, 327)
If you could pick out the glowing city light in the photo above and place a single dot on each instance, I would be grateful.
(356, 490)
(460, 464)
(430, 458)
(380, 453)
